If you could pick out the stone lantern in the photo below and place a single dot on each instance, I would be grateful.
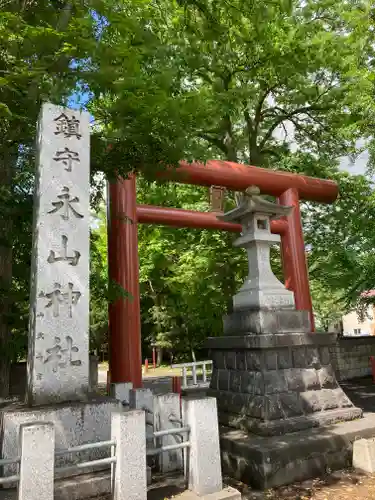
(271, 376)
(262, 293)
(261, 290)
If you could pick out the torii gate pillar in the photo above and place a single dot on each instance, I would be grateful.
(125, 357)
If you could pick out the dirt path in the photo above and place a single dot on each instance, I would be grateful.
(340, 485)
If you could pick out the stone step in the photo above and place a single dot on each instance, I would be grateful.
(268, 462)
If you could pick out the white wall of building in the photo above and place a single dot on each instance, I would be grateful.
(354, 327)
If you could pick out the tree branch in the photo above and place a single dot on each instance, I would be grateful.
(249, 123)
(65, 16)
(289, 116)
(258, 109)
(215, 141)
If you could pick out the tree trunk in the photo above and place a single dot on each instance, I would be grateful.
(5, 269)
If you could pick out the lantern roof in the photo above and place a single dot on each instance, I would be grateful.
(251, 202)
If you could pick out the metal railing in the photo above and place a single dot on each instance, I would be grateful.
(89, 463)
(169, 447)
(193, 367)
(9, 461)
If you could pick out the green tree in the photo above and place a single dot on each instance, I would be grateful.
(283, 85)
(328, 305)
(204, 78)
(98, 283)
(342, 240)
(39, 41)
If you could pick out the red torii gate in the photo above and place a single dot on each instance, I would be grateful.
(124, 214)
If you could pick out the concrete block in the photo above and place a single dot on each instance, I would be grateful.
(121, 392)
(75, 424)
(364, 455)
(203, 462)
(227, 493)
(129, 477)
(254, 321)
(168, 416)
(37, 443)
(143, 399)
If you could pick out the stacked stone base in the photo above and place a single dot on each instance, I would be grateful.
(277, 385)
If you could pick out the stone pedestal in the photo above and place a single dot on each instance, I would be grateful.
(75, 424)
(278, 403)
(268, 462)
(277, 383)
(251, 321)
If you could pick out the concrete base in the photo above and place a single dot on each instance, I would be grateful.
(291, 424)
(268, 462)
(75, 424)
(266, 322)
(227, 493)
(364, 455)
(98, 485)
(78, 488)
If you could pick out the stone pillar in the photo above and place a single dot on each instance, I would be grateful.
(129, 474)
(143, 399)
(167, 416)
(203, 457)
(121, 392)
(37, 461)
(58, 354)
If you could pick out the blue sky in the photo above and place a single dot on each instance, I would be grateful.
(78, 100)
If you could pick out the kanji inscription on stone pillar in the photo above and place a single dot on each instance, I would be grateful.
(58, 355)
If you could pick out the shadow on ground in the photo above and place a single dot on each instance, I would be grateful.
(361, 392)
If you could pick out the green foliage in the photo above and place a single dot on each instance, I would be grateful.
(98, 284)
(38, 43)
(103, 291)
(342, 240)
(283, 84)
(204, 78)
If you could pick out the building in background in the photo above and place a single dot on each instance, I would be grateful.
(352, 326)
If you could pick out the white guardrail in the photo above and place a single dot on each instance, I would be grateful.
(193, 369)
(37, 470)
